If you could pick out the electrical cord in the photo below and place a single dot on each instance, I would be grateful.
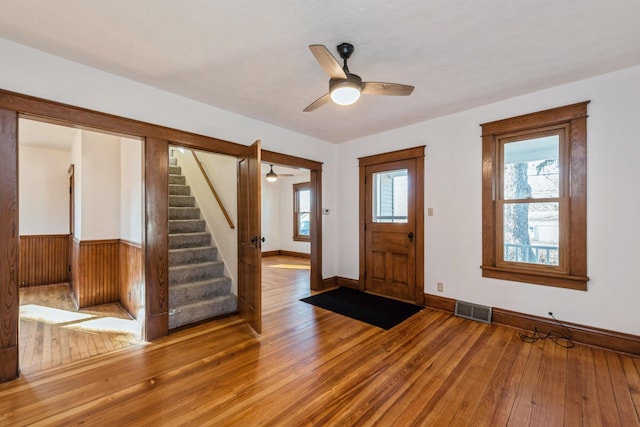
(562, 338)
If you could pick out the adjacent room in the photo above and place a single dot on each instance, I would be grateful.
(330, 213)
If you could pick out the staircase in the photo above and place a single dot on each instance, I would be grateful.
(198, 289)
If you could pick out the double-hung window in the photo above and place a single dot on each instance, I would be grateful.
(301, 211)
(534, 198)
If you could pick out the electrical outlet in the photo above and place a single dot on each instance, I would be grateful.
(429, 211)
(440, 287)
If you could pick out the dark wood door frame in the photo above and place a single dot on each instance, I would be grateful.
(409, 153)
(156, 141)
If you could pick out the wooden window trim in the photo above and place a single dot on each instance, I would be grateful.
(296, 232)
(573, 273)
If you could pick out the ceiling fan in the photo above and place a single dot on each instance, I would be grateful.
(272, 176)
(344, 87)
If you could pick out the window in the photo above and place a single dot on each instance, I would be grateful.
(301, 211)
(390, 196)
(534, 198)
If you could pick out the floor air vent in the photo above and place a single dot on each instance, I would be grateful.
(473, 311)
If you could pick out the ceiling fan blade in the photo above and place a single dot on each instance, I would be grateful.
(327, 61)
(318, 102)
(381, 88)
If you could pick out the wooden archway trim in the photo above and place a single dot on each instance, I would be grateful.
(156, 140)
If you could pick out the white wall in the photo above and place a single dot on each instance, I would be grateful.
(44, 191)
(271, 212)
(453, 236)
(76, 160)
(222, 171)
(100, 186)
(131, 218)
(36, 73)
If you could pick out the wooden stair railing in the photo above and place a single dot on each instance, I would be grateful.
(213, 190)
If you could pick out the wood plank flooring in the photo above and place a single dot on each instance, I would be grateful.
(54, 333)
(314, 367)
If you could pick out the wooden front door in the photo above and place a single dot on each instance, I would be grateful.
(392, 224)
(250, 238)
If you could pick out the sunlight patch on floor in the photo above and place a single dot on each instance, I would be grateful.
(108, 324)
(289, 266)
(52, 316)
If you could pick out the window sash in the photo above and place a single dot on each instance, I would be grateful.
(502, 200)
(299, 234)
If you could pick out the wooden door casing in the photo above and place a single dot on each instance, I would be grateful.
(392, 254)
(9, 249)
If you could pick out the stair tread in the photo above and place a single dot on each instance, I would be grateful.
(201, 248)
(205, 301)
(201, 282)
(196, 264)
(216, 281)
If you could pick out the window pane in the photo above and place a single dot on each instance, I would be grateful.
(303, 224)
(531, 168)
(304, 200)
(390, 196)
(531, 233)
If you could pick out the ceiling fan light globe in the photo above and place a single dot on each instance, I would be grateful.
(345, 95)
(271, 175)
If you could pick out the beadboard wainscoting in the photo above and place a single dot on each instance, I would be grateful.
(131, 289)
(44, 259)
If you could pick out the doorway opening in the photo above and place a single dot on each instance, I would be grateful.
(80, 263)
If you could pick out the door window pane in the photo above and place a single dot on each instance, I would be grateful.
(531, 168)
(531, 233)
(390, 196)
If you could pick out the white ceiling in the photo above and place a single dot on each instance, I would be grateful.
(251, 57)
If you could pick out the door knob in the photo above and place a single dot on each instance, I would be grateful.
(410, 236)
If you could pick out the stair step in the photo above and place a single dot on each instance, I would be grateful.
(175, 170)
(189, 293)
(201, 310)
(186, 226)
(192, 255)
(182, 201)
(184, 213)
(177, 179)
(189, 240)
(195, 272)
(173, 161)
(179, 190)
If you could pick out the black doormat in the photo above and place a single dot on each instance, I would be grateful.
(375, 310)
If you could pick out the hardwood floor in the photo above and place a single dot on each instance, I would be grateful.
(314, 367)
(54, 333)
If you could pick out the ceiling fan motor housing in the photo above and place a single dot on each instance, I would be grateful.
(352, 80)
(345, 50)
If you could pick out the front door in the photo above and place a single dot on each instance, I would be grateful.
(250, 238)
(392, 247)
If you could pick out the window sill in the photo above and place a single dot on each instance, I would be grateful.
(541, 278)
(302, 239)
